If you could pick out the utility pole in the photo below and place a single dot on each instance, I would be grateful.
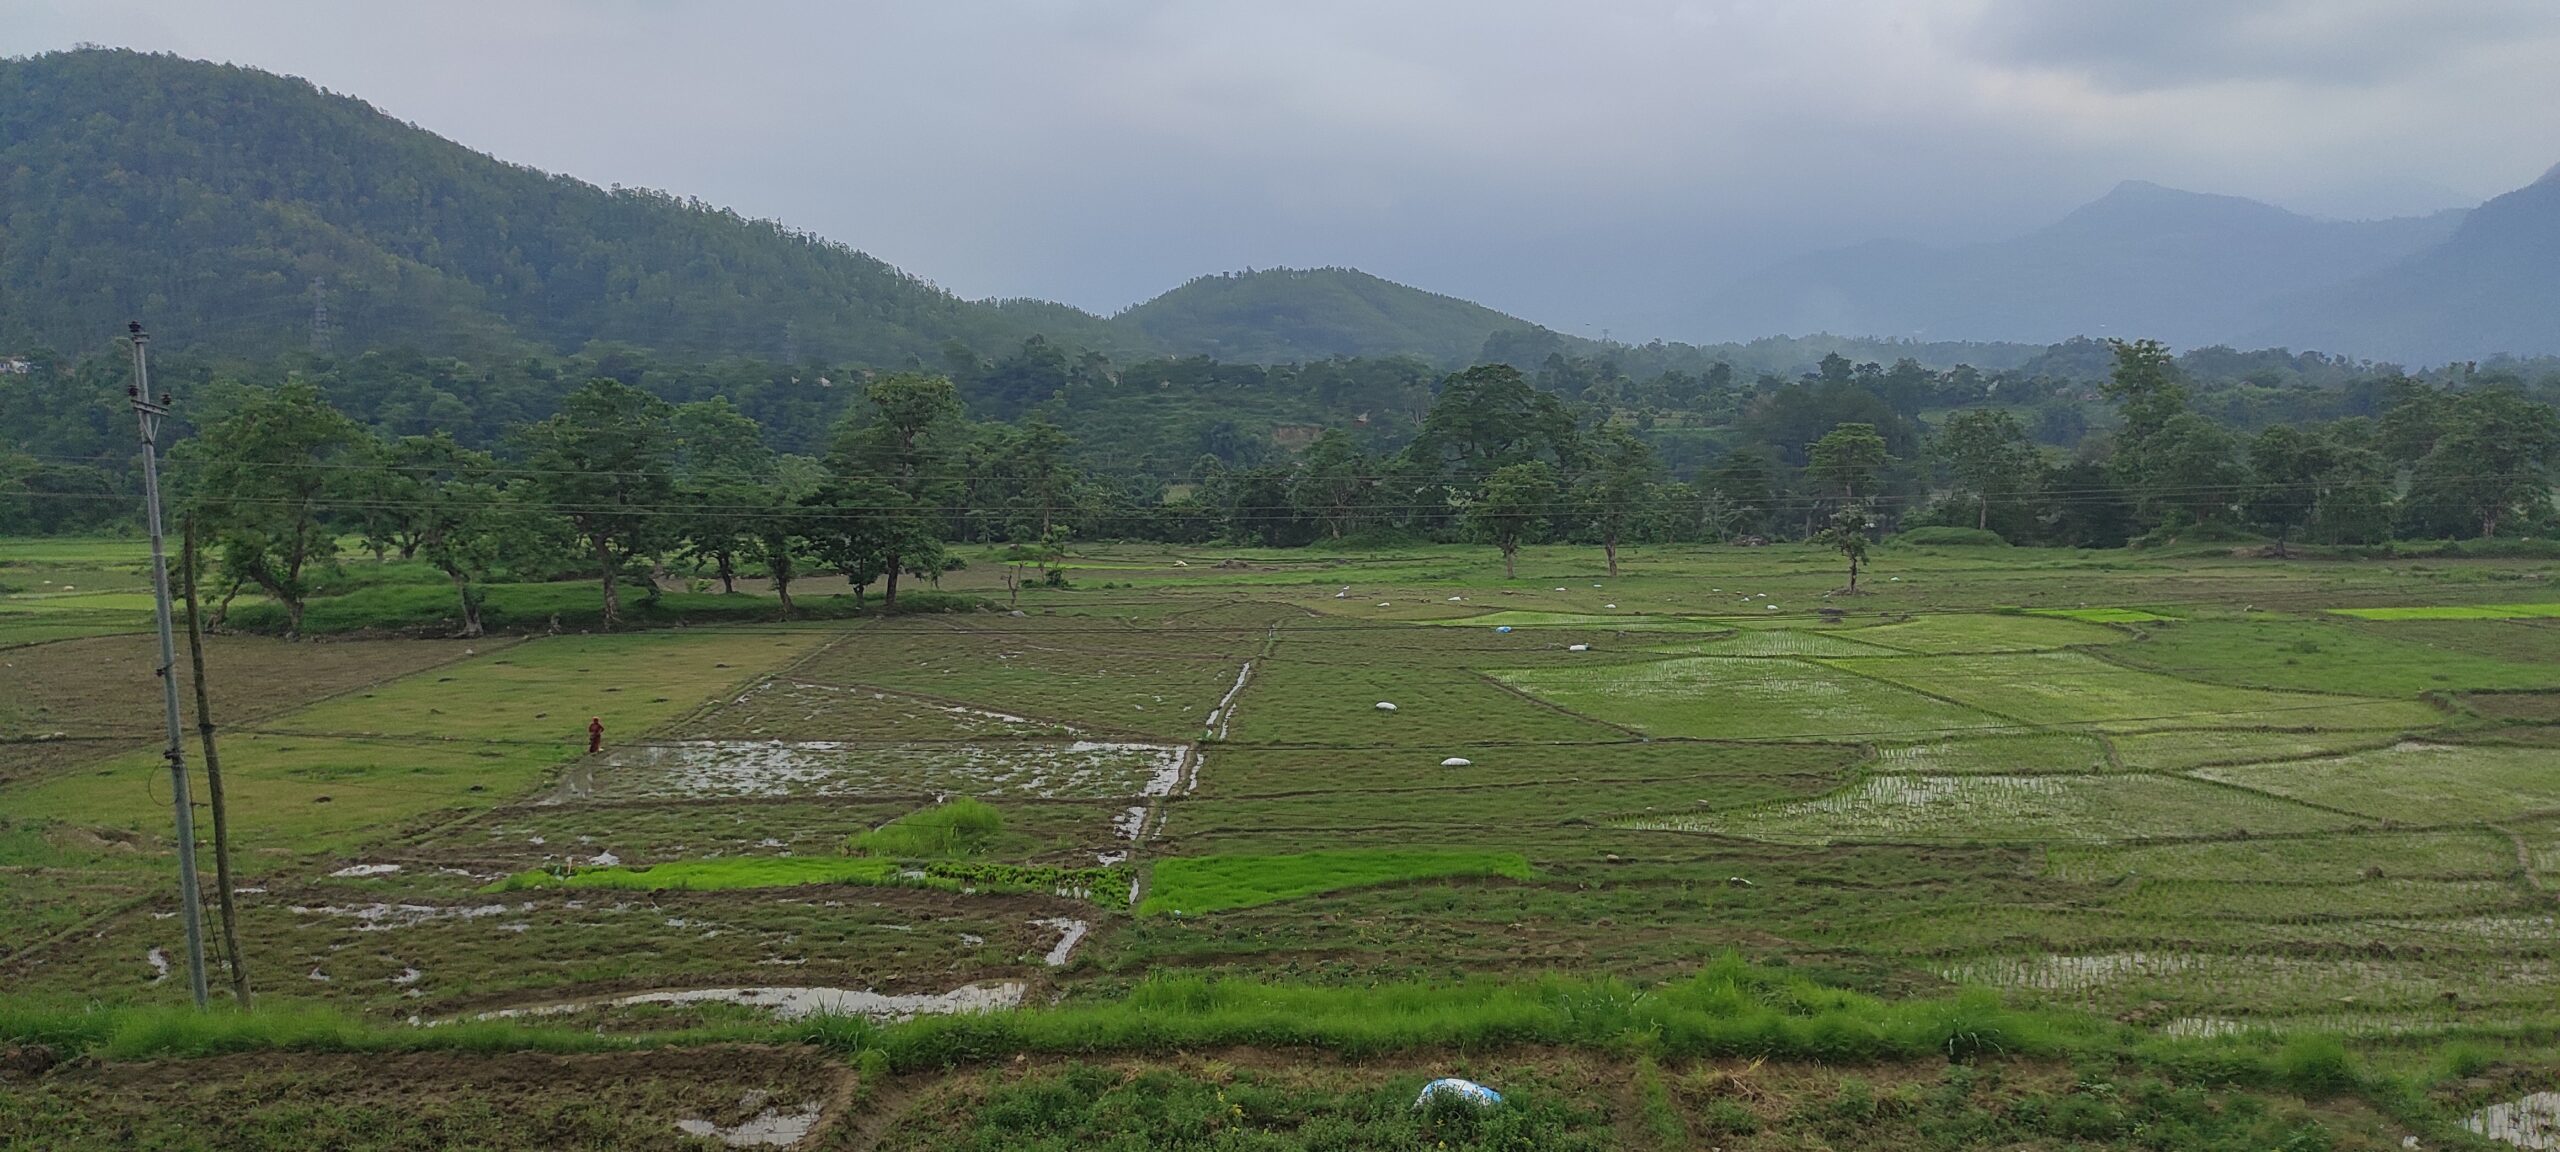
(190, 897)
(222, 891)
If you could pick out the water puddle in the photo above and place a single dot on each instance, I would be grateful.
(793, 1003)
(158, 958)
(771, 1128)
(2533, 1122)
(354, 870)
(705, 769)
(384, 917)
(1074, 930)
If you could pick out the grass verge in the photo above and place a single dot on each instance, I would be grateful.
(1191, 885)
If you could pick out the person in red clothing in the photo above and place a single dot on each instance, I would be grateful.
(595, 735)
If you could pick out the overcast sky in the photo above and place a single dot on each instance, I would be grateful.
(1586, 164)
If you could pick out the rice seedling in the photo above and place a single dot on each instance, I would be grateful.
(1747, 698)
(1197, 885)
(1982, 809)
(2413, 782)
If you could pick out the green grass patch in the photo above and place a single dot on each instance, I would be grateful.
(2454, 612)
(461, 736)
(2011, 810)
(1192, 885)
(2177, 750)
(1746, 698)
(2414, 783)
(2469, 854)
(960, 827)
(1776, 642)
(2077, 688)
(577, 605)
(1588, 621)
(2328, 656)
(1954, 634)
(2102, 615)
(2025, 753)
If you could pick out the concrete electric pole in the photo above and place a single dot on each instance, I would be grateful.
(190, 897)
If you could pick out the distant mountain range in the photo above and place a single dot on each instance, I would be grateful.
(231, 208)
(2196, 269)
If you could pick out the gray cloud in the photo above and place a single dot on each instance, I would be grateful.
(2146, 44)
(1586, 165)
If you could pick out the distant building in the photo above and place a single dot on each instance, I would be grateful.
(15, 366)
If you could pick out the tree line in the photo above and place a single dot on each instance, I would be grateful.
(619, 484)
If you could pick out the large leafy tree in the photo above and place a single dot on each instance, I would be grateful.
(1616, 491)
(1488, 417)
(268, 479)
(458, 518)
(1739, 495)
(1847, 460)
(2287, 469)
(900, 453)
(722, 472)
(605, 463)
(2489, 462)
(1513, 508)
(1332, 482)
(1846, 533)
(1988, 454)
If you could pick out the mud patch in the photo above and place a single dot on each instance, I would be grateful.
(794, 1003)
(384, 917)
(770, 1128)
(711, 769)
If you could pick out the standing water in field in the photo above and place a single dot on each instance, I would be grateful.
(794, 1003)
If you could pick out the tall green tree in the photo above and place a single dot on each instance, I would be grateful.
(1741, 492)
(1988, 454)
(605, 463)
(722, 471)
(1617, 488)
(1488, 417)
(1332, 480)
(460, 520)
(778, 536)
(2491, 462)
(1513, 508)
(909, 437)
(1846, 461)
(266, 480)
(2287, 467)
(1846, 533)
(2145, 387)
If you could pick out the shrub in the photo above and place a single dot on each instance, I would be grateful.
(961, 827)
(2316, 1065)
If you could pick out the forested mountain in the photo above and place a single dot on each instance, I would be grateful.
(2493, 287)
(1280, 315)
(211, 199)
(2143, 260)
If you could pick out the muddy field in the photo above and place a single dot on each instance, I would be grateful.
(2207, 806)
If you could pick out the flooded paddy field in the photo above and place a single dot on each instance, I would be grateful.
(791, 826)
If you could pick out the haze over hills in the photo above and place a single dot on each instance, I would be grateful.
(220, 202)
(2494, 285)
(2143, 260)
(1285, 314)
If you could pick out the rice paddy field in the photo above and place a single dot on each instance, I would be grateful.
(2174, 801)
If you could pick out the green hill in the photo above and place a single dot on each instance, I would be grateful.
(1280, 315)
(209, 198)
